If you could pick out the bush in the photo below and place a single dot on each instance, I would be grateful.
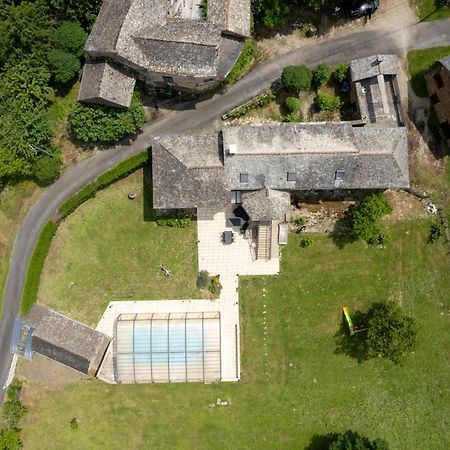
(121, 170)
(296, 78)
(46, 169)
(10, 439)
(326, 102)
(390, 333)
(379, 240)
(64, 65)
(179, 219)
(257, 102)
(71, 38)
(293, 104)
(215, 286)
(354, 441)
(365, 217)
(435, 233)
(321, 75)
(74, 424)
(36, 265)
(243, 63)
(306, 242)
(340, 73)
(203, 280)
(102, 124)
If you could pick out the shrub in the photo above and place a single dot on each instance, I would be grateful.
(64, 66)
(71, 38)
(10, 439)
(74, 424)
(203, 280)
(379, 240)
(293, 104)
(435, 232)
(306, 242)
(365, 217)
(121, 170)
(243, 63)
(13, 411)
(291, 118)
(204, 9)
(102, 124)
(321, 75)
(326, 102)
(340, 73)
(215, 286)
(179, 219)
(257, 102)
(300, 221)
(36, 265)
(46, 169)
(296, 78)
(390, 333)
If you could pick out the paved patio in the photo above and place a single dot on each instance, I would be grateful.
(227, 261)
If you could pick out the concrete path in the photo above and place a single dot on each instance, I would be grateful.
(356, 44)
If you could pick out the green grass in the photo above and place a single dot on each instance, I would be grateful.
(298, 386)
(110, 248)
(35, 267)
(419, 63)
(431, 9)
(61, 105)
(243, 63)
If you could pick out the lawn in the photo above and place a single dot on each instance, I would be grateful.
(106, 250)
(431, 9)
(419, 63)
(298, 386)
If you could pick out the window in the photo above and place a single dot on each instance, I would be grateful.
(236, 197)
(339, 175)
(291, 176)
(434, 99)
(243, 177)
(437, 77)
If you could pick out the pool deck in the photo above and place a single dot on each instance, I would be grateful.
(227, 261)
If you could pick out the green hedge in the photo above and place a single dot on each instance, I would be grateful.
(35, 267)
(122, 170)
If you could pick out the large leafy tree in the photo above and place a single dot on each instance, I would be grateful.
(82, 11)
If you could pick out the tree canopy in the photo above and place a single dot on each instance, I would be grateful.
(296, 78)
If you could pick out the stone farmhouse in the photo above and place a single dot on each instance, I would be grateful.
(438, 84)
(163, 43)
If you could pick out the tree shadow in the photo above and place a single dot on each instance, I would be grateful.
(147, 185)
(342, 234)
(321, 441)
(354, 345)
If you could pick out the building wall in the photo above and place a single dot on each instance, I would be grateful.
(438, 84)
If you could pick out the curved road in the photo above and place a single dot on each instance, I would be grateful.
(343, 48)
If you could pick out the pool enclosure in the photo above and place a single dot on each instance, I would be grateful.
(163, 348)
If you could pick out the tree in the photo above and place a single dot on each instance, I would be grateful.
(12, 166)
(293, 104)
(46, 169)
(340, 73)
(390, 333)
(366, 215)
(83, 11)
(327, 102)
(296, 78)
(64, 65)
(350, 440)
(97, 123)
(71, 38)
(321, 75)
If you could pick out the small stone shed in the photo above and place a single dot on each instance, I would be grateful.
(66, 341)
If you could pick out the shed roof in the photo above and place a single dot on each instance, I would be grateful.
(67, 341)
(188, 172)
(266, 204)
(372, 66)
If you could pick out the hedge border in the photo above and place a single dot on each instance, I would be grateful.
(36, 264)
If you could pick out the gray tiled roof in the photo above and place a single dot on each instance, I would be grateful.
(372, 158)
(266, 204)
(372, 66)
(445, 62)
(106, 83)
(188, 172)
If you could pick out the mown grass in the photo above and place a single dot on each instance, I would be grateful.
(419, 63)
(110, 248)
(431, 9)
(297, 386)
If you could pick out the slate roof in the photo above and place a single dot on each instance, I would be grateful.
(266, 204)
(146, 36)
(106, 83)
(445, 62)
(372, 158)
(372, 66)
(188, 172)
(67, 341)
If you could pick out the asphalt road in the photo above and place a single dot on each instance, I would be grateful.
(357, 44)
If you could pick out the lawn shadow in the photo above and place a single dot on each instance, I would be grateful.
(147, 189)
(354, 345)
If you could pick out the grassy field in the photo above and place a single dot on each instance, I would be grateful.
(420, 62)
(431, 9)
(299, 386)
(106, 251)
